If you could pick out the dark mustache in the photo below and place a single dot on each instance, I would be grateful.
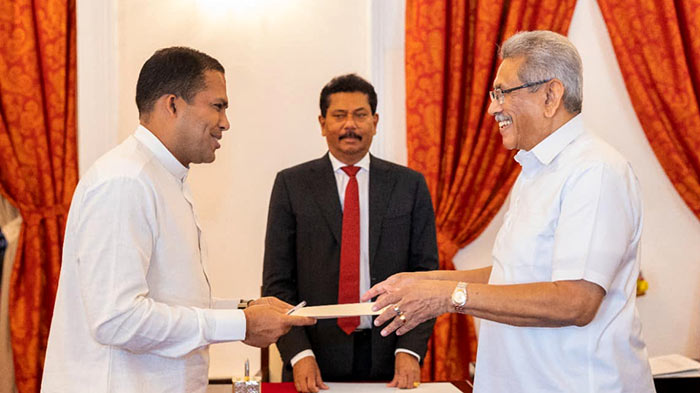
(350, 134)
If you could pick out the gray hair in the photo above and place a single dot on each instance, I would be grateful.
(548, 55)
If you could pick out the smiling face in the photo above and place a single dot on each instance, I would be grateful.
(348, 126)
(201, 122)
(520, 118)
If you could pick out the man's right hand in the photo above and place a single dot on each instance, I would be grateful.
(266, 320)
(307, 376)
(393, 283)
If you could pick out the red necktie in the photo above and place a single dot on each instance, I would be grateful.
(349, 282)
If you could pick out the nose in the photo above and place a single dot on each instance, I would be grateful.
(350, 122)
(494, 107)
(223, 122)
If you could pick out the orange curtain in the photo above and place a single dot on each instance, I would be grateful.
(451, 61)
(38, 162)
(657, 43)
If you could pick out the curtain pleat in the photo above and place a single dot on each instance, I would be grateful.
(38, 163)
(657, 44)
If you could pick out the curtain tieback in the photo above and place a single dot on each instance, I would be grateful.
(33, 215)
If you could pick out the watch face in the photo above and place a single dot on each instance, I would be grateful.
(459, 297)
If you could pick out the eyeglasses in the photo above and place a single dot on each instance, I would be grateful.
(499, 95)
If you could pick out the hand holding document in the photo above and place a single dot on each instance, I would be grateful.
(336, 311)
(266, 320)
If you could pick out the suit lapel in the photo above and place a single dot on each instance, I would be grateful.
(381, 184)
(325, 192)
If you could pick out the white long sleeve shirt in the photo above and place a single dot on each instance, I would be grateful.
(134, 311)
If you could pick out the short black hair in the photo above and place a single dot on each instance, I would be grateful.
(176, 70)
(348, 83)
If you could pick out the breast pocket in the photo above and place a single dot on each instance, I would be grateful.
(396, 235)
(525, 247)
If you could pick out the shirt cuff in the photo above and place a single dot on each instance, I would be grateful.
(225, 325)
(588, 275)
(301, 355)
(408, 351)
(221, 303)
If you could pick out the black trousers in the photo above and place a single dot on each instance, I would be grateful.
(362, 355)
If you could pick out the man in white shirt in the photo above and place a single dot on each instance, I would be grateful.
(134, 311)
(558, 304)
(312, 252)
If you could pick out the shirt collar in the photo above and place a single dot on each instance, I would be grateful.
(162, 154)
(547, 150)
(337, 164)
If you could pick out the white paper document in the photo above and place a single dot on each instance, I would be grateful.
(337, 311)
(432, 387)
(673, 365)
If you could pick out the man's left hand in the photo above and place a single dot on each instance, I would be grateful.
(406, 372)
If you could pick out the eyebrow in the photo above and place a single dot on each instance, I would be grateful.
(222, 101)
(360, 109)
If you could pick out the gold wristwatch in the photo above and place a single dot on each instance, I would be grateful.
(459, 296)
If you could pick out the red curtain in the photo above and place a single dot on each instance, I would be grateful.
(38, 162)
(657, 43)
(451, 62)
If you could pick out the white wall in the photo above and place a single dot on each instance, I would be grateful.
(98, 80)
(278, 54)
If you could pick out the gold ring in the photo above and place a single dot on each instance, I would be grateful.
(416, 384)
(402, 318)
(396, 309)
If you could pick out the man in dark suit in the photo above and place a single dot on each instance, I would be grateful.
(336, 226)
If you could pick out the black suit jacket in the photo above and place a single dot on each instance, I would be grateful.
(302, 255)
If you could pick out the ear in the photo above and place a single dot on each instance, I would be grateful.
(375, 120)
(554, 91)
(322, 123)
(170, 104)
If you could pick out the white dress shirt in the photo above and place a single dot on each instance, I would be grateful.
(342, 179)
(134, 311)
(575, 213)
